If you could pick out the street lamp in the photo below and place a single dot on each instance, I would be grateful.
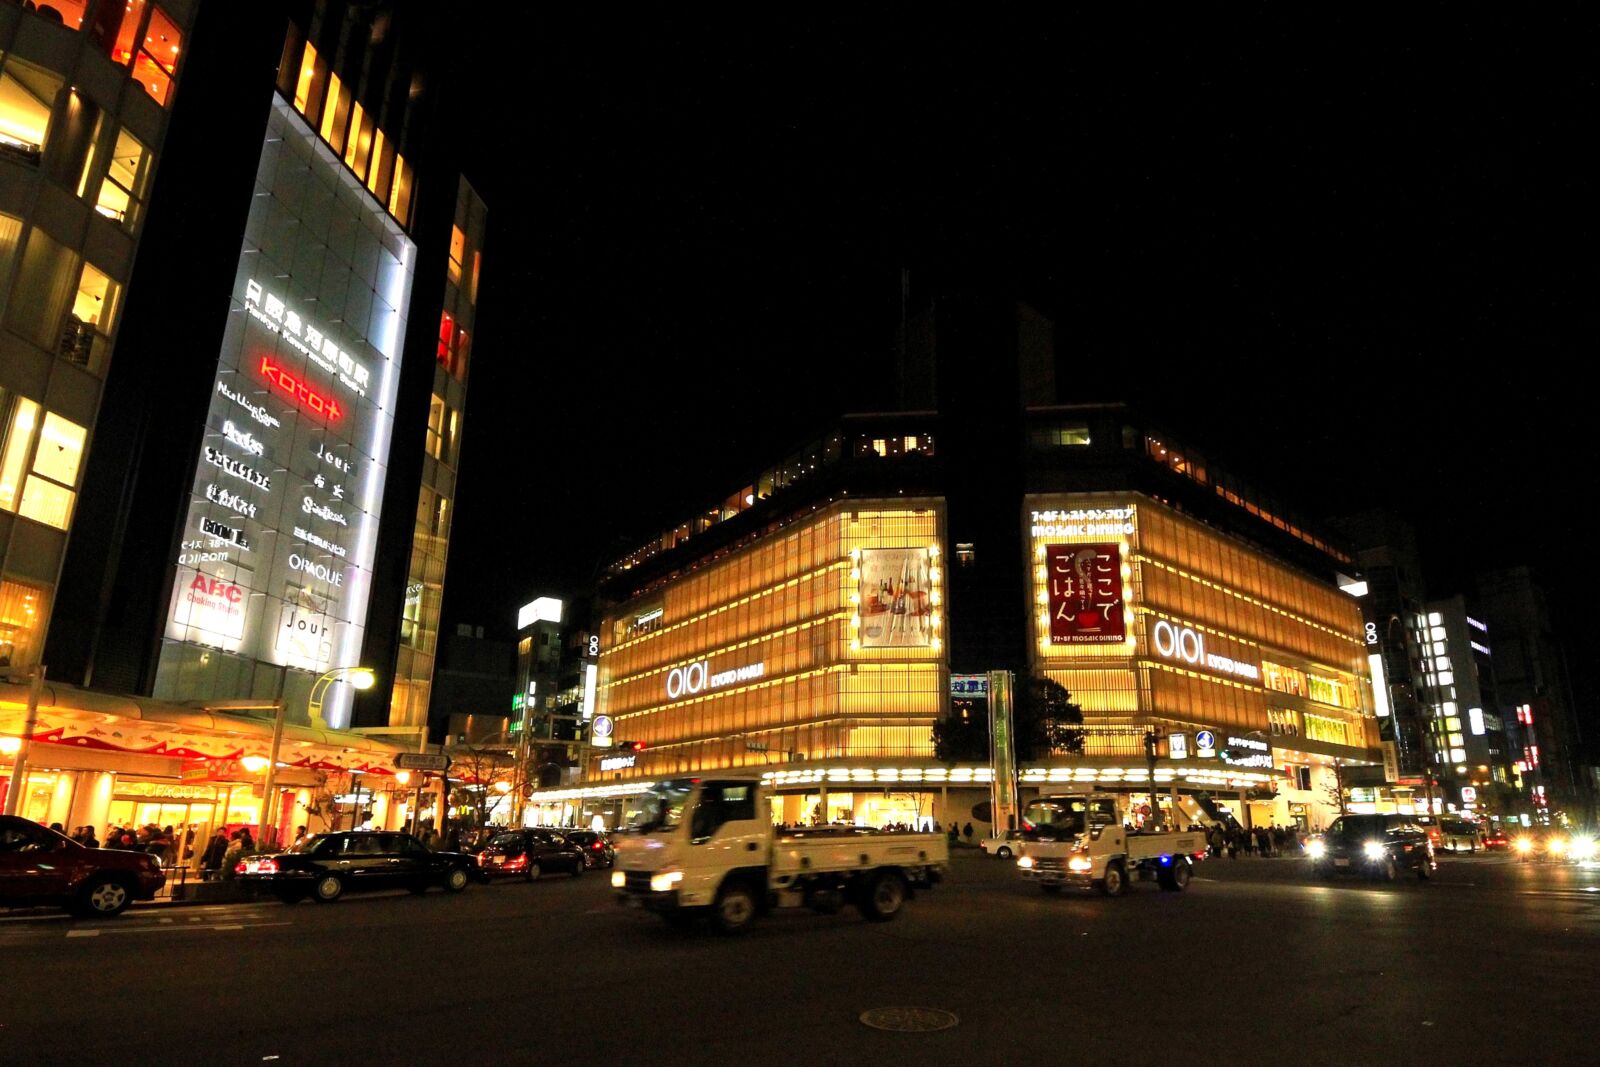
(360, 677)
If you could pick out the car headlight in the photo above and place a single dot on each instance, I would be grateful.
(1316, 850)
(618, 879)
(665, 881)
(1025, 862)
(1524, 845)
(1557, 846)
(1374, 850)
(1581, 848)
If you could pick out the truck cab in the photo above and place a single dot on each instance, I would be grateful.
(707, 846)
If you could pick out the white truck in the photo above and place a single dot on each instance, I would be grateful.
(1080, 840)
(707, 846)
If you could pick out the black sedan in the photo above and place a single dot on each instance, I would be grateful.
(327, 866)
(597, 850)
(1378, 846)
(527, 854)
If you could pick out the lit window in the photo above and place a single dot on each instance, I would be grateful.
(18, 442)
(85, 339)
(48, 494)
(20, 622)
(360, 143)
(458, 253)
(158, 57)
(334, 113)
(400, 192)
(308, 74)
(880, 446)
(122, 191)
(27, 95)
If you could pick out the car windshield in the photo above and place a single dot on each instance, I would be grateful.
(662, 807)
(1357, 825)
(310, 844)
(506, 841)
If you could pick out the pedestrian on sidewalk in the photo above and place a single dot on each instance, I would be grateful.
(211, 859)
(967, 832)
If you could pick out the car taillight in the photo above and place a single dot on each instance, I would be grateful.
(267, 866)
(515, 862)
(596, 845)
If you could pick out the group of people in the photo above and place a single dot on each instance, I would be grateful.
(163, 842)
(955, 834)
(1259, 840)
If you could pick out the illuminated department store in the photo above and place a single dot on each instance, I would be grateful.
(813, 625)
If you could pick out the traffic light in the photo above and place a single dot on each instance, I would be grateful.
(630, 746)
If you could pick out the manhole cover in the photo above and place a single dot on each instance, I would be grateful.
(909, 1020)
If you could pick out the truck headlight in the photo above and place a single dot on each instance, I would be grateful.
(618, 879)
(1025, 862)
(1316, 850)
(1374, 850)
(1581, 848)
(665, 881)
(1557, 846)
(1080, 863)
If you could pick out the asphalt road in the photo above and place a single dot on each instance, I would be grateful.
(1492, 961)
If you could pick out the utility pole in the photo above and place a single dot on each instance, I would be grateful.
(1152, 737)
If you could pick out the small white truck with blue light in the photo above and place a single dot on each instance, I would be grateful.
(707, 847)
(1080, 840)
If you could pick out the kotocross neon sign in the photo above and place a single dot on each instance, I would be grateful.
(697, 677)
(299, 391)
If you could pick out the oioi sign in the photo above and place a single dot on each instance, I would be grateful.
(697, 678)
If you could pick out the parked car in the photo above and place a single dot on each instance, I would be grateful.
(40, 866)
(597, 850)
(1378, 846)
(326, 866)
(529, 853)
(1003, 845)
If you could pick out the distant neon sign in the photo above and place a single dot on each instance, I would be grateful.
(302, 393)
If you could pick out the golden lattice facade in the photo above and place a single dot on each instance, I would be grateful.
(1215, 634)
(823, 639)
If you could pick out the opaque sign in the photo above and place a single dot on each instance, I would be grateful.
(1085, 594)
(1188, 645)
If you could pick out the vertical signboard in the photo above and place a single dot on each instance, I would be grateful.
(1002, 750)
(275, 567)
(1085, 594)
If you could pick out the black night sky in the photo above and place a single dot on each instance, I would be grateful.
(1353, 256)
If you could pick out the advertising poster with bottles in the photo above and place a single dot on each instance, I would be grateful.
(275, 562)
(1085, 594)
(896, 603)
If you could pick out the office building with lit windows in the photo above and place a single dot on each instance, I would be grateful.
(238, 513)
(812, 626)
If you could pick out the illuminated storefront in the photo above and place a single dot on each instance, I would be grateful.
(100, 760)
(819, 641)
(275, 566)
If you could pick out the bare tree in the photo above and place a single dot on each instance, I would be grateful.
(482, 762)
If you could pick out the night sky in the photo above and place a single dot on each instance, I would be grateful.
(1355, 257)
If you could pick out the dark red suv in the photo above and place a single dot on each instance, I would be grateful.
(40, 866)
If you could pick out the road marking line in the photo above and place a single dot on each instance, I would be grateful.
(83, 933)
(235, 926)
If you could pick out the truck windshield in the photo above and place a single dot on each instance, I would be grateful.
(1058, 815)
(662, 807)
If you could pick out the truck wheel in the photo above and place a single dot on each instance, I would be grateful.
(885, 895)
(1003, 853)
(735, 907)
(1115, 883)
(1176, 878)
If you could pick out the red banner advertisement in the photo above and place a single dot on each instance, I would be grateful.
(1086, 605)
